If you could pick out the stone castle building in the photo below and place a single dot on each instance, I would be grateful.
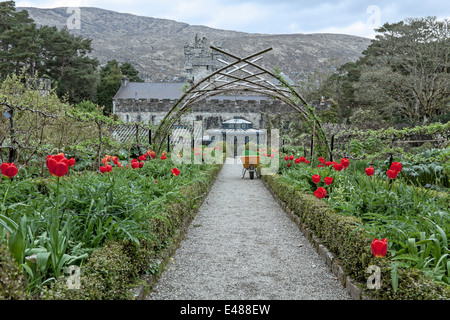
(150, 102)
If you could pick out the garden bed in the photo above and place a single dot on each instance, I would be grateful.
(124, 226)
(348, 239)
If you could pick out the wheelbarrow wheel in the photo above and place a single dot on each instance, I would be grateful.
(251, 171)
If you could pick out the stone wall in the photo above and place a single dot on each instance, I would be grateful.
(212, 112)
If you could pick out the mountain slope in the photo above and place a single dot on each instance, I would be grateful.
(156, 46)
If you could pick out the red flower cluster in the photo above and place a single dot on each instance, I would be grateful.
(107, 168)
(379, 247)
(328, 180)
(58, 165)
(108, 158)
(9, 170)
(395, 169)
(136, 164)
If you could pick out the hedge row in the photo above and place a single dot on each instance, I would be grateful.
(114, 271)
(344, 237)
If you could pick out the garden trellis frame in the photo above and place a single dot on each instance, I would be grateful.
(242, 75)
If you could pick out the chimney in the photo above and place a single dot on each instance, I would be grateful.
(125, 81)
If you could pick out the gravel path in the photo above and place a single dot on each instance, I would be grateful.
(242, 245)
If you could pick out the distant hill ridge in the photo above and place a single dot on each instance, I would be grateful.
(156, 46)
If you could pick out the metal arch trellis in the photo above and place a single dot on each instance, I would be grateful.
(236, 76)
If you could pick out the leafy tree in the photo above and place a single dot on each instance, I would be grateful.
(130, 71)
(405, 71)
(110, 81)
(66, 61)
(19, 40)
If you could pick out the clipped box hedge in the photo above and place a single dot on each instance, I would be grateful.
(116, 271)
(344, 237)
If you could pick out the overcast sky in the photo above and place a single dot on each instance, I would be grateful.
(356, 17)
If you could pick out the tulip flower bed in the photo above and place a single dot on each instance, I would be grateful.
(112, 223)
(371, 216)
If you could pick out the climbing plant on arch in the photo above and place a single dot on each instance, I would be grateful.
(241, 75)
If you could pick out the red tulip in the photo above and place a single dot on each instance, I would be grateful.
(153, 155)
(57, 165)
(288, 164)
(163, 157)
(328, 180)
(307, 161)
(291, 157)
(9, 170)
(345, 162)
(328, 163)
(175, 171)
(141, 158)
(396, 166)
(320, 192)
(297, 161)
(338, 167)
(320, 166)
(392, 174)
(316, 178)
(321, 160)
(286, 158)
(134, 164)
(379, 248)
(141, 164)
(302, 159)
(370, 171)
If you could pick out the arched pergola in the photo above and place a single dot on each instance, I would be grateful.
(241, 75)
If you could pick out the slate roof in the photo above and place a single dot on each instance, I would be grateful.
(169, 90)
(150, 90)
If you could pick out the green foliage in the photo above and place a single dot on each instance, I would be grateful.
(142, 206)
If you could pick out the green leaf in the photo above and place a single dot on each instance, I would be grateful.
(394, 275)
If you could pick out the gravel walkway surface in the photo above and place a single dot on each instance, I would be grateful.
(241, 245)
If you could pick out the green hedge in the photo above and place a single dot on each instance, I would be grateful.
(113, 272)
(347, 240)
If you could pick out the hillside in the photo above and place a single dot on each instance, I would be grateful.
(156, 46)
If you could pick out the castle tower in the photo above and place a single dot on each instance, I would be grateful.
(200, 61)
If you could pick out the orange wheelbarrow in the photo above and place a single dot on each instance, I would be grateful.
(250, 163)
